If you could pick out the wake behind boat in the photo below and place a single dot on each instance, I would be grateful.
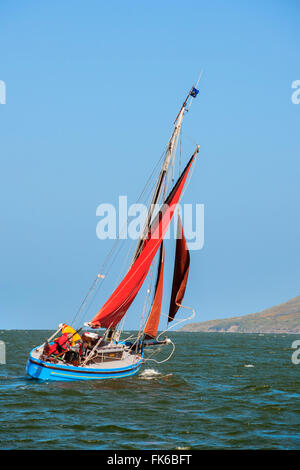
(86, 354)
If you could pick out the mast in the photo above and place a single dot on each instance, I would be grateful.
(172, 145)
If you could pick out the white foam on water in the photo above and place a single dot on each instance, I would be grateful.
(149, 374)
(248, 365)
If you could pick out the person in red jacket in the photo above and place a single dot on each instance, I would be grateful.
(60, 345)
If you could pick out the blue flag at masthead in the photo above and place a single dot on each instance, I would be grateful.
(194, 92)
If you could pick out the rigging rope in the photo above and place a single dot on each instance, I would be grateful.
(168, 329)
(164, 360)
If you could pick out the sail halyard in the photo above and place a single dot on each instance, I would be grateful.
(118, 303)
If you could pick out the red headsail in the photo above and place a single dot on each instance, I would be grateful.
(154, 316)
(181, 271)
(118, 303)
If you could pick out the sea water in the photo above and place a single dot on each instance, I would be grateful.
(218, 391)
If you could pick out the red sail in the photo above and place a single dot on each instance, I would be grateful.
(181, 271)
(118, 303)
(151, 327)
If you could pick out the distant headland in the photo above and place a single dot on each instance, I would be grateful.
(282, 318)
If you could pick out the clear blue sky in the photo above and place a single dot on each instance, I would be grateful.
(92, 91)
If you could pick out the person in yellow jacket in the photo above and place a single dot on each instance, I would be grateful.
(68, 329)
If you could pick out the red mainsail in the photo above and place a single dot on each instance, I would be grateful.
(118, 303)
(181, 271)
(151, 326)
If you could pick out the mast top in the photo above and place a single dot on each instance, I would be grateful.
(192, 93)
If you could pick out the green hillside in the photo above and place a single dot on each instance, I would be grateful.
(283, 318)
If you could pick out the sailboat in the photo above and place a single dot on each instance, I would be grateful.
(105, 355)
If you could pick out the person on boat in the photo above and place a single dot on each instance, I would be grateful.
(89, 340)
(68, 329)
(61, 345)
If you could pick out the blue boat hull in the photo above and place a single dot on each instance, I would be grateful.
(42, 370)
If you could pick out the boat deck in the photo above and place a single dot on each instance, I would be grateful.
(109, 356)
